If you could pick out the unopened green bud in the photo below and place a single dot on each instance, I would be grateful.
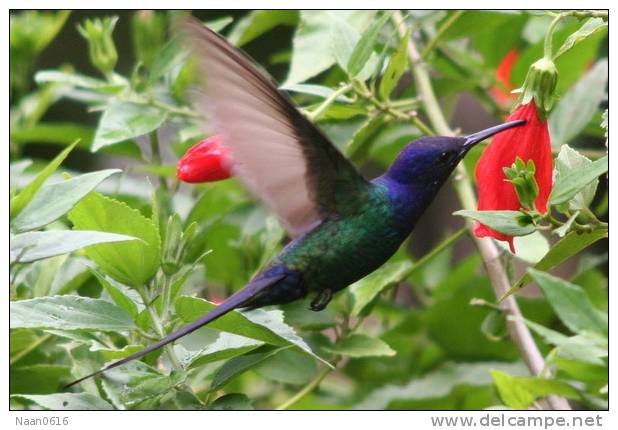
(539, 85)
(521, 175)
(101, 48)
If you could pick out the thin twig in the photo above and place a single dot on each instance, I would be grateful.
(158, 326)
(315, 114)
(518, 331)
(436, 38)
(436, 250)
(156, 155)
(389, 108)
(34, 345)
(312, 385)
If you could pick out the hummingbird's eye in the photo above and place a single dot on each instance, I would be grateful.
(444, 157)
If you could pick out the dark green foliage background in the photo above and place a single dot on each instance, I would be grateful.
(412, 336)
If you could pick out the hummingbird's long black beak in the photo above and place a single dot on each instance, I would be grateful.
(475, 138)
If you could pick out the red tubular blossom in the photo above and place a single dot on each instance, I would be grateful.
(208, 161)
(502, 91)
(528, 142)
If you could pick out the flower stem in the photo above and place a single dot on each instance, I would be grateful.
(315, 114)
(158, 326)
(436, 38)
(173, 110)
(156, 155)
(549, 36)
(312, 385)
(490, 255)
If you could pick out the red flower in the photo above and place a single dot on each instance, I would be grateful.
(528, 142)
(208, 161)
(502, 91)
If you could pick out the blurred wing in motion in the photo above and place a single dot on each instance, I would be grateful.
(277, 153)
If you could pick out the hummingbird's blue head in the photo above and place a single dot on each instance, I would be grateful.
(429, 161)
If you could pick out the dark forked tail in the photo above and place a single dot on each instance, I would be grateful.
(234, 301)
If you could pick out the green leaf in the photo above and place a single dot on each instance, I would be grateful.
(344, 38)
(67, 401)
(23, 198)
(437, 383)
(170, 57)
(578, 106)
(118, 379)
(40, 378)
(133, 263)
(458, 334)
(235, 322)
(396, 67)
(310, 53)
(512, 394)
(474, 23)
(364, 47)
(232, 402)
(36, 245)
(288, 367)
(258, 22)
(521, 392)
(54, 200)
(367, 289)
(297, 314)
(311, 89)
(360, 345)
(185, 399)
(569, 159)
(150, 387)
(208, 345)
(239, 365)
(492, 50)
(571, 303)
(64, 133)
(30, 33)
(69, 313)
(77, 80)
(591, 26)
(120, 294)
(360, 143)
(125, 120)
(587, 348)
(494, 325)
(506, 222)
(115, 353)
(531, 248)
(570, 184)
(70, 276)
(568, 246)
(267, 326)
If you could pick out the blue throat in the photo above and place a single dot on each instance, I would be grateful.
(409, 200)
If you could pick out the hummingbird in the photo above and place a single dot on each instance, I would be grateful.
(343, 226)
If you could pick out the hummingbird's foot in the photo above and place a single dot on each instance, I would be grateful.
(321, 300)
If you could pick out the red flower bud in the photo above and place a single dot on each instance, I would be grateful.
(528, 142)
(208, 161)
(502, 91)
